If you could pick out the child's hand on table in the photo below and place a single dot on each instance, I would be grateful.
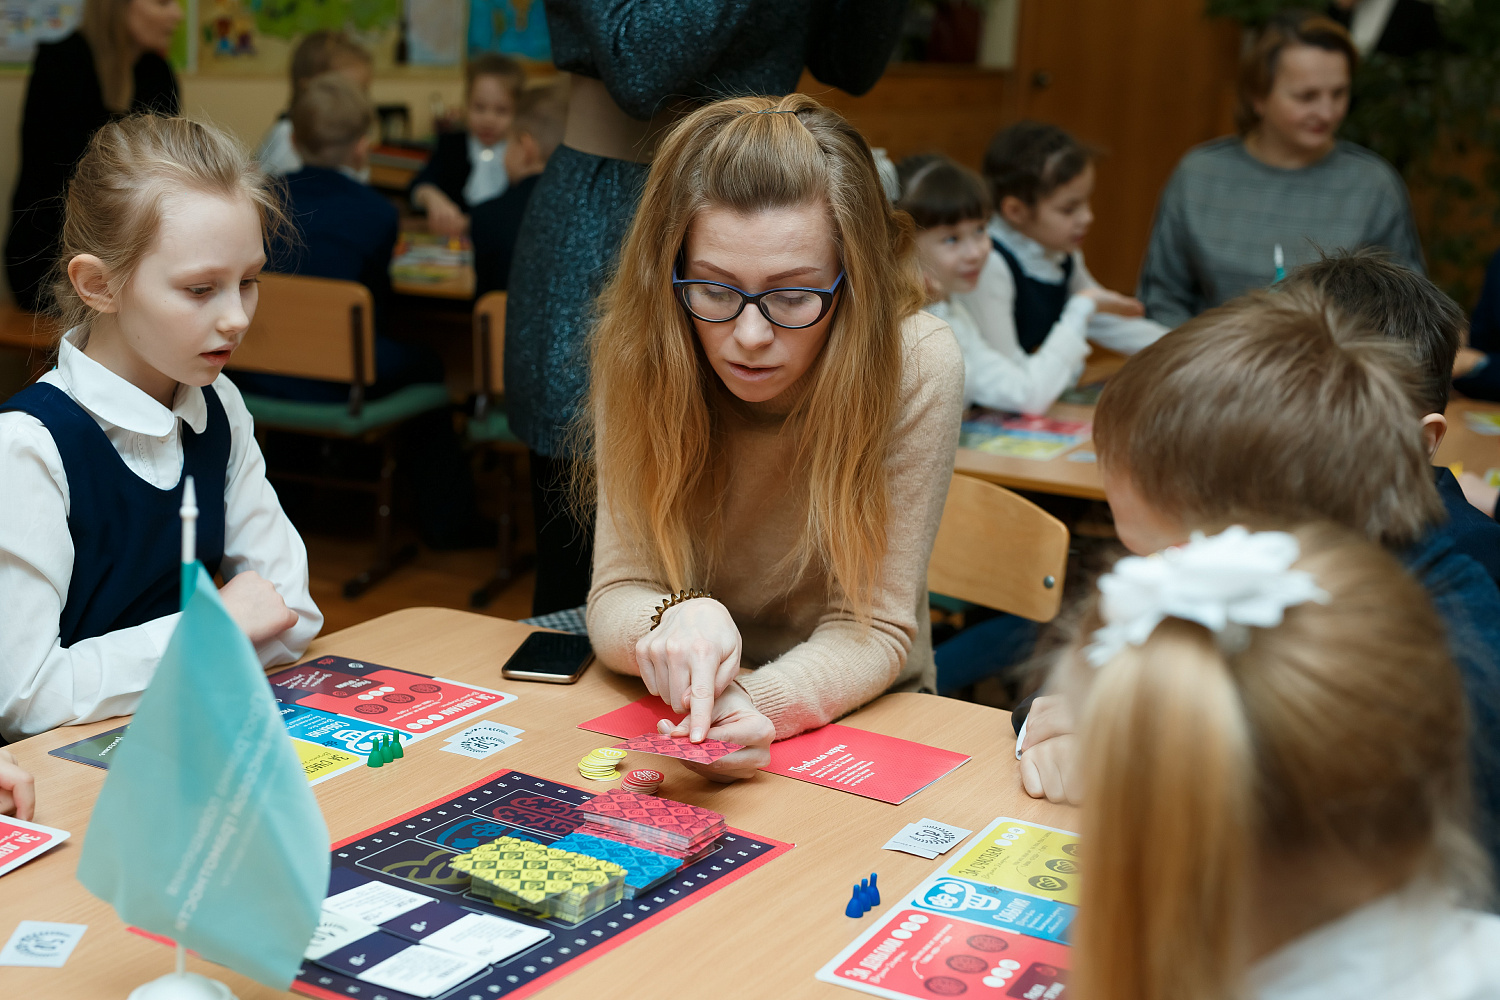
(1050, 752)
(17, 789)
(443, 216)
(256, 607)
(735, 720)
(689, 659)
(1114, 303)
(1479, 493)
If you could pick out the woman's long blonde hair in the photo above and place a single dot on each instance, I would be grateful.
(1340, 730)
(103, 27)
(651, 430)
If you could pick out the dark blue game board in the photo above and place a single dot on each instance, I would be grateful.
(412, 852)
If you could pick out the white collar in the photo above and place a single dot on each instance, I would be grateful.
(475, 149)
(1036, 260)
(116, 401)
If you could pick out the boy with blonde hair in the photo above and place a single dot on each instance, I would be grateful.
(1279, 406)
(318, 53)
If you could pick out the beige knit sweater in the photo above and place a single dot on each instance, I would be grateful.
(814, 662)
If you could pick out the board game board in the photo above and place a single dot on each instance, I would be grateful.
(411, 853)
(992, 922)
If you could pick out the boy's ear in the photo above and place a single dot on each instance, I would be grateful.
(1434, 427)
(1014, 211)
(90, 279)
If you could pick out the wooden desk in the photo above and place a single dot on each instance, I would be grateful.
(1060, 476)
(774, 928)
(456, 282)
(1477, 452)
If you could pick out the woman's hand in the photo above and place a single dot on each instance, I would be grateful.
(690, 658)
(443, 216)
(18, 789)
(256, 607)
(1114, 303)
(735, 720)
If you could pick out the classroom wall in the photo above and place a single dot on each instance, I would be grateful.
(246, 106)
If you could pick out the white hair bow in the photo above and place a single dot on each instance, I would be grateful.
(1226, 583)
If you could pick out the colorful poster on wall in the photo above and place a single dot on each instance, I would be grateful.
(24, 23)
(514, 27)
(257, 36)
(435, 32)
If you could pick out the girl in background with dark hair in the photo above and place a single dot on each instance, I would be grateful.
(1241, 211)
(1035, 305)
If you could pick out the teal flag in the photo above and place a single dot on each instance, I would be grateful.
(206, 831)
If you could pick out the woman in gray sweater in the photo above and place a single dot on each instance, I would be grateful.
(1241, 211)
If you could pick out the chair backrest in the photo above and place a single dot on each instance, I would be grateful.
(1000, 550)
(318, 328)
(489, 349)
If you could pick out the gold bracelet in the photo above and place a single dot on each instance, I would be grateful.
(672, 601)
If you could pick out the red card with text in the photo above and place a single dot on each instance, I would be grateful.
(917, 954)
(21, 841)
(852, 760)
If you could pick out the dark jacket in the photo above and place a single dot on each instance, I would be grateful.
(493, 227)
(1469, 604)
(1474, 532)
(1484, 335)
(346, 231)
(64, 108)
(448, 169)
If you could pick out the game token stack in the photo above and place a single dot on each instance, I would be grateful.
(643, 869)
(652, 822)
(643, 780)
(602, 764)
(523, 875)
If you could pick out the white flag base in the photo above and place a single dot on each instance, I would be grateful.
(182, 986)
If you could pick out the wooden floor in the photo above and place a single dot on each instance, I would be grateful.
(434, 579)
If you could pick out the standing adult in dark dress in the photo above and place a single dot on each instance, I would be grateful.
(111, 66)
(635, 64)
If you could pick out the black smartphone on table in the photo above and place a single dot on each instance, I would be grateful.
(550, 657)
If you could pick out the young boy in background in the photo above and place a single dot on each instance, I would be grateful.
(1392, 300)
(468, 167)
(536, 134)
(1035, 304)
(1278, 406)
(318, 53)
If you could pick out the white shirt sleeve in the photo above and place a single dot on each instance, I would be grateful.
(1119, 333)
(277, 156)
(997, 372)
(258, 536)
(43, 685)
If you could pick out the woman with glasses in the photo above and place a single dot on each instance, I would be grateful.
(772, 427)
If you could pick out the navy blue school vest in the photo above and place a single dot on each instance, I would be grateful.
(1039, 304)
(127, 548)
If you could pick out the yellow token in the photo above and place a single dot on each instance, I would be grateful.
(609, 753)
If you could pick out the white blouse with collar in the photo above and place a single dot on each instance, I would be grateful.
(43, 685)
(999, 374)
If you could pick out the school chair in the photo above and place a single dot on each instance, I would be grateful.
(489, 430)
(999, 550)
(321, 328)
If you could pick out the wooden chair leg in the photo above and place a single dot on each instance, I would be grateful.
(386, 560)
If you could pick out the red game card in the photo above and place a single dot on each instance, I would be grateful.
(913, 954)
(649, 818)
(678, 746)
(21, 841)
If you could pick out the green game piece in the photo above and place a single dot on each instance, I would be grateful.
(396, 746)
(387, 752)
(375, 759)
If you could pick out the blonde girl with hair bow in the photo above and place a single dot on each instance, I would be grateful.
(1275, 785)
(773, 422)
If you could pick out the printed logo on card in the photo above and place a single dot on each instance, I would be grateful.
(42, 944)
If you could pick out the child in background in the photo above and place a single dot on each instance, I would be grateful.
(468, 167)
(318, 53)
(344, 230)
(537, 132)
(162, 247)
(1036, 305)
(1403, 305)
(1276, 406)
(1273, 751)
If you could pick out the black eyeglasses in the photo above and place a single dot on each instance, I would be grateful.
(788, 308)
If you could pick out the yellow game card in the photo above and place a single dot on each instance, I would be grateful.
(319, 762)
(1024, 857)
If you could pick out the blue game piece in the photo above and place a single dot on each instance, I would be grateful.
(856, 906)
(874, 891)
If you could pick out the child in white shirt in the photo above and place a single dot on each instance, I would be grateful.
(162, 247)
(318, 53)
(1035, 305)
